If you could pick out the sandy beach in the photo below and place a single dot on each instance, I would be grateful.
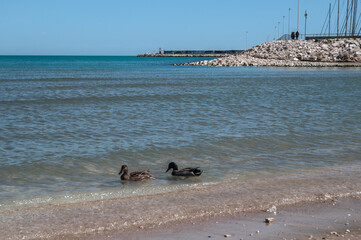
(302, 204)
(336, 219)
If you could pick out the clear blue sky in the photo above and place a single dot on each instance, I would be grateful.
(129, 27)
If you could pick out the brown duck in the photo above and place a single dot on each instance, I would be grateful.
(134, 176)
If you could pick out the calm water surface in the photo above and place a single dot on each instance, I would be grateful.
(68, 123)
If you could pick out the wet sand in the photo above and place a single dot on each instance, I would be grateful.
(337, 219)
(304, 202)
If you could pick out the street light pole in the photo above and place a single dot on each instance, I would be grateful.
(298, 17)
(283, 31)
(275, 33)
(305, 23)
(246, 40)
(289, 23)
(278, 30)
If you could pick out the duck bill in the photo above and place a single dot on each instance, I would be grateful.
(121, 171)
(167, 170)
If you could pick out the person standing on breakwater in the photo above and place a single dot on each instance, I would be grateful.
(297, 34)
(293, 35)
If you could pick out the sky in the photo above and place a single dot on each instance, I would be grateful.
(130, 27)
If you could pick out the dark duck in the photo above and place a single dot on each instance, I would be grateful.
(185, 172)
(134, 176)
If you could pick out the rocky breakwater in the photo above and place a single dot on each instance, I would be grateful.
(183, 55)
(294, 53)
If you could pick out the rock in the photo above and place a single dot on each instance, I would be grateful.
(269, 220)
(272, 209)
(334, 233)
(227, 235)
(293, 53)
(324, 46)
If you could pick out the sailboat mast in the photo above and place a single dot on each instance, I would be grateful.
(329, 21)
(338, 17)
(354, 17)
(347, 11)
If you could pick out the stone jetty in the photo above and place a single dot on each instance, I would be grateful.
(183, 55)
(294, 53)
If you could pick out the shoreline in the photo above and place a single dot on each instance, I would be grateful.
(333, 219)
(119, 216)
(236, 61)
(339, 218)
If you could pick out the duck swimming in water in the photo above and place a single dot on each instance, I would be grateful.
(185, 172)
(134, 176)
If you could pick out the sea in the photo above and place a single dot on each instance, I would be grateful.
(261, 135)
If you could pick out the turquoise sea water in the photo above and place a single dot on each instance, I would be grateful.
(263, 137)
(68, 123)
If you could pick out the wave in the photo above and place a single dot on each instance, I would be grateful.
(100, 99)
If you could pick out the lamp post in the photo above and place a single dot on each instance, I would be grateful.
(278, 30)
(298, 17)
(289, 23)
(305, 23)
(275, 33)
(283, 31)
(246, 40)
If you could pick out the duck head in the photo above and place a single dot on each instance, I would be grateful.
(172, 165)
(123, 169)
